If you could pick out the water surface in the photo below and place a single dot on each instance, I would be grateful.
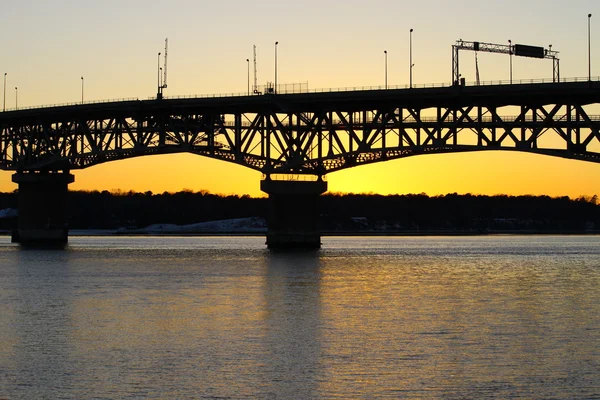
(203, 317)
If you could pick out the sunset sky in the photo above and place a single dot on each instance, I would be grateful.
(46, 46)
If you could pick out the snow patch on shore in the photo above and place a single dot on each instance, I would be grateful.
(237, 225)
(9, 213)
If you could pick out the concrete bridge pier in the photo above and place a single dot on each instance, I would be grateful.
(293, 221)
(42, 202)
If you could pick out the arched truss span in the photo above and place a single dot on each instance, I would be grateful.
(311, 134)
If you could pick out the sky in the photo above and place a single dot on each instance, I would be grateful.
(47, 46)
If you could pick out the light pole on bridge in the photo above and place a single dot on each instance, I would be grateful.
(16, 98)
(385, 54)
(4, 104)
(82, 90)
(248, 64)
(589, 48)
(158, 77)
(510, 52)
(553, 66)
(275, 88)
(410, 57)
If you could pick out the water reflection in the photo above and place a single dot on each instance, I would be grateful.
(361, 318)
(41, 293)
(466, 323)
(292, 320)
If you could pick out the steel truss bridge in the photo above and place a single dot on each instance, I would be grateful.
(310, 133)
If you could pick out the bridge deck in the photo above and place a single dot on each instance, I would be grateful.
(422, 98)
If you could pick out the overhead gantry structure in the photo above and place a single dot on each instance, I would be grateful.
(510, 49)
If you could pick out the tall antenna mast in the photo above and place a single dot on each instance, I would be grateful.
(164, 85)
(255, 78)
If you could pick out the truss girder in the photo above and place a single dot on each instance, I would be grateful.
(303, 142)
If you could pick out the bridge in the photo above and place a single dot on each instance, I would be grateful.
(310, 134)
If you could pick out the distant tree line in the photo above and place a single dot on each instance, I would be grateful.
(454, 212)
(339, 212)
(105, 210)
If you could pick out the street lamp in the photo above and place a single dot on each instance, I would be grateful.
(510, 56)
(589, 49)
(248, 63)
(553, 64)
(410, 57)
(4, 104)
(385, 52)
(158, 78)
(16, 98)
(82, 90)
(275, 88)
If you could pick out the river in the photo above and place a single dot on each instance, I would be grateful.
(364, 317)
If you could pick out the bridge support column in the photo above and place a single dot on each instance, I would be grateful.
(293, 221)
(42, 204)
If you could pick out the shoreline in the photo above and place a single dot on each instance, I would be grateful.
(106, 233)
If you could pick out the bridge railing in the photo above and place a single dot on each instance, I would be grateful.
(295, 89)
(303, 88)
(77, 103)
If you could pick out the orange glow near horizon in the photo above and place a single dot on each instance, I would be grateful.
(485, 172)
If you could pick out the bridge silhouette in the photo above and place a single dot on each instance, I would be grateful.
(309, 134)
